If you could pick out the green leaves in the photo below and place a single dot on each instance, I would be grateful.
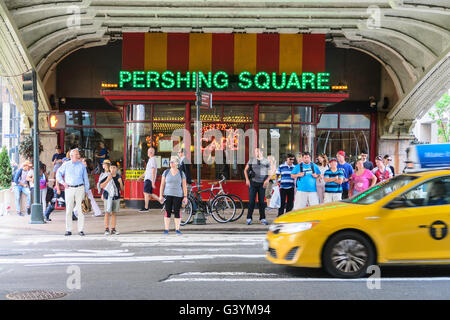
(26, 148)
(441, 114)
(5, 170)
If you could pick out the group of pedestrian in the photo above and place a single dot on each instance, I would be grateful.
(303, 183)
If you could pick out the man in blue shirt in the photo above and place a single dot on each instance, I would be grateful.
(333, 182)
(307, 172)
(347, 169)
(286, 184)
(73, 176)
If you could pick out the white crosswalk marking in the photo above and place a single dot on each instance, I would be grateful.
(139, 248)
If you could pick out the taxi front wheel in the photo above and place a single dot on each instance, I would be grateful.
(348, 255)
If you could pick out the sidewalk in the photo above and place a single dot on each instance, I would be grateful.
(129, 221)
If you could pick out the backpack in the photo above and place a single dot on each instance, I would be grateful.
(312, 167)
(165, 173)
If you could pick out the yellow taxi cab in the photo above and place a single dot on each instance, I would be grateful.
(401, 221)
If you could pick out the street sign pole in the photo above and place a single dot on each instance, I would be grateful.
(199, 217)
(37, 216)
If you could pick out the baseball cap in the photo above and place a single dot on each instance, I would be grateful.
(342, 153)
(333, 159)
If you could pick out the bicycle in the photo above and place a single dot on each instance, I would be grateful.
(220, 207)
(237, 200)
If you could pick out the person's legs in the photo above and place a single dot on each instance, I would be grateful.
(49, 210)
(320, 192)
(79, 196)
(168, 214)
(44, 200)
(251, 201)
(27, 193)
(176, 210)
(283, 194)
(261, 203)
(146, 200)
(290, 199)
(302, 200)
(313, 198)
(18, 193)
(70, 204)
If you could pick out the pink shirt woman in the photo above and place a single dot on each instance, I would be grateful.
(362, 179)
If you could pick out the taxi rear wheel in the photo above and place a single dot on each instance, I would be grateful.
(348, 255)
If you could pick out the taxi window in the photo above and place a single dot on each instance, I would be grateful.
(431, 193)
(381, 190)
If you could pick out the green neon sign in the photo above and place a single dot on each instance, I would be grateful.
(262, 81)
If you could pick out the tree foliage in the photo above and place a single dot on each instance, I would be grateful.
(441, 114)
(5, 170)
(26, 149)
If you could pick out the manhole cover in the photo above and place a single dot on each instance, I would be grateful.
(36, 295)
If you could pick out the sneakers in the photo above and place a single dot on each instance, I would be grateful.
(166, 232)
(249, 221)
(68, 233)
(106, 232)
(178, 232)
(264, 222)
(48, 219)
(82, 233)
(114, 232)
(144, 210)
(20, 214)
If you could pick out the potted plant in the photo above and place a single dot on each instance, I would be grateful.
(26, 148)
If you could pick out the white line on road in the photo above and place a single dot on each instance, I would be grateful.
(303, 280)
(129, 259)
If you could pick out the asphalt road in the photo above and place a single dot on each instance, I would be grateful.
(226, 266)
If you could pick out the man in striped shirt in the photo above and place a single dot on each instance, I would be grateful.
(333, 178)
(287, 184)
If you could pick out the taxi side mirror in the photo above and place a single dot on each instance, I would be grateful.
(397, 203)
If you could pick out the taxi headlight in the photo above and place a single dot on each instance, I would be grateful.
(292, 227)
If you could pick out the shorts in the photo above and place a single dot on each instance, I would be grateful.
(111, 205)
(148, 188)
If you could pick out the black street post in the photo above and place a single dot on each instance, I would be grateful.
(30, 84)
(199, 217)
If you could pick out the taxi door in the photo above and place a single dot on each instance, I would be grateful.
(414, 226)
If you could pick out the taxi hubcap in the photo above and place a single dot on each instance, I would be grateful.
(349, 255)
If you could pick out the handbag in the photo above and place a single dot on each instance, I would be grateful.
(275, 200)
(86, 205)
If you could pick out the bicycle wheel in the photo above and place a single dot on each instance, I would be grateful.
(239, 207)
(223, 208)
(186, 213)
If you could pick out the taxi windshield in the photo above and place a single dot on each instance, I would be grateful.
(381, 190)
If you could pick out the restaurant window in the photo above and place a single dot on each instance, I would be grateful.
(296, 133)
(354, 121)
(139, 112)
(211, 168)
(207, 114)
(232, 113)
(80, 118)
(87, 130)
(88, 141)
(303, 114)
(108, 119)
(347, 132)
(169, 112)
(156, 133)
(275, 113)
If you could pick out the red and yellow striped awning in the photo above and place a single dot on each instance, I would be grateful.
(232, 53)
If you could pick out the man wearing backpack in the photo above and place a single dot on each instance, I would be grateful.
(257, 177)
(307, 172)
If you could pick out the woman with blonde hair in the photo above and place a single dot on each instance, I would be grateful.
(174, 189)
(323, 166)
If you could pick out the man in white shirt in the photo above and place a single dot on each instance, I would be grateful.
(149, 180)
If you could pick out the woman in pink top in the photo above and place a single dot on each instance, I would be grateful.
(362, 179)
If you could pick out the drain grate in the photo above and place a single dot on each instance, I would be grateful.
(36, 295)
